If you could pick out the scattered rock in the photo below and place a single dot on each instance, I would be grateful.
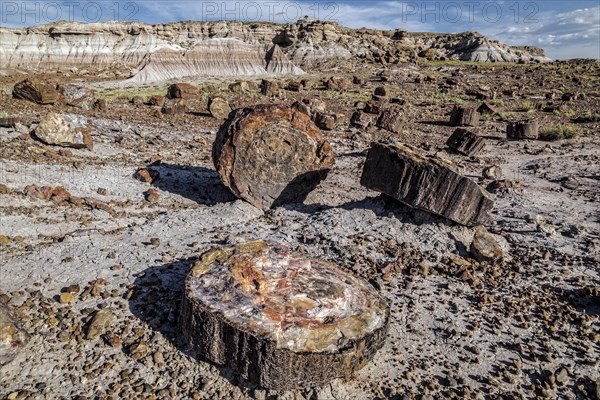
(373, 107)
(147, 175)
(361, 119)
(12, 337)
(270, 155)
(381, 91)
(183, 91)
(239, 87)
(219, 108)
(100, 323)
(76, 96)
(152, 195)
(325, 121)
(174, 106)
(66, 298)
(68, 130)
(58, 195)
(36, 92)
(268, 88)
(493, 172)
(156, 100)
(461, 116)
(391, 119)
(9, 122)
(137, 101)
(101, 105)
(426, 184)
(486, 109)
(562, 376)
(485, 247)
(338, 83)
(465, 142)
(522, 130)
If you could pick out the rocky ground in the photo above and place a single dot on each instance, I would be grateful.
(95, 273)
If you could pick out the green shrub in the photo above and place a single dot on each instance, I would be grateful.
(558, 132)
(527, 106)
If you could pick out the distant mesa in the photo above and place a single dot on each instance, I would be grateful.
(232, 48)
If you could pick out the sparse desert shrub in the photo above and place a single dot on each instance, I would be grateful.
(589, 117)
(527, 106)
(507, 115)
(558, 132)
(497, 102)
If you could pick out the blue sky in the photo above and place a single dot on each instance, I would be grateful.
(565, 29)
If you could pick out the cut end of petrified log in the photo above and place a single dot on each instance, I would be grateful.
(271, 154)
(279, 319)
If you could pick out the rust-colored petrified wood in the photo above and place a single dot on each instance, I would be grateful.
(278, 319)
(271, 154)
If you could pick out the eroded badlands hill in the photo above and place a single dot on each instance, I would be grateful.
(233, 48)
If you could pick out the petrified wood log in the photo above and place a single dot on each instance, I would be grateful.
(271, 154)
(465, 142)
(425, 183)
(278, 319)
(464, 116)
(522, 130)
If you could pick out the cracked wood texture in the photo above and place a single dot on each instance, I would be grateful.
(278, 319)
(271, 155)
(425, 183)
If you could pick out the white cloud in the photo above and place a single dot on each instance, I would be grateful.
(564, 35)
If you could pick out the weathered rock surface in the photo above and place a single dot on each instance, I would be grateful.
(391, 119)
(182, 91)
(485, 247)
(170, 51)
(278, 319)
(465, 142)
(76, 96)
(461, 116)
(522, 130)
(12, 337)
(426, 184)
(174, 106)
(361, 119)
(67, 130)
(101, 322)
(271, 154)
(219, 108)
(37, 92)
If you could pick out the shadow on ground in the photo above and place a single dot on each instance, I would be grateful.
(199, 184)
(157, 299)
(158, 292)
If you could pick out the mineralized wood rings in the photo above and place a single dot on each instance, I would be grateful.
(278, 319)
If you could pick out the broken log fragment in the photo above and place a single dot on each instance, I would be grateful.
(271, 155)
(425, 183)
(278, 319)
(464, 117)
(465, 142)
(522, 130)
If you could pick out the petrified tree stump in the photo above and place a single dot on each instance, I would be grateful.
(464, 117)
(278, 319)
(522, 130)
(425, 183)
(270, 155)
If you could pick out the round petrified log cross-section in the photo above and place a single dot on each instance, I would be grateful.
(278, 319)
(271, 155)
